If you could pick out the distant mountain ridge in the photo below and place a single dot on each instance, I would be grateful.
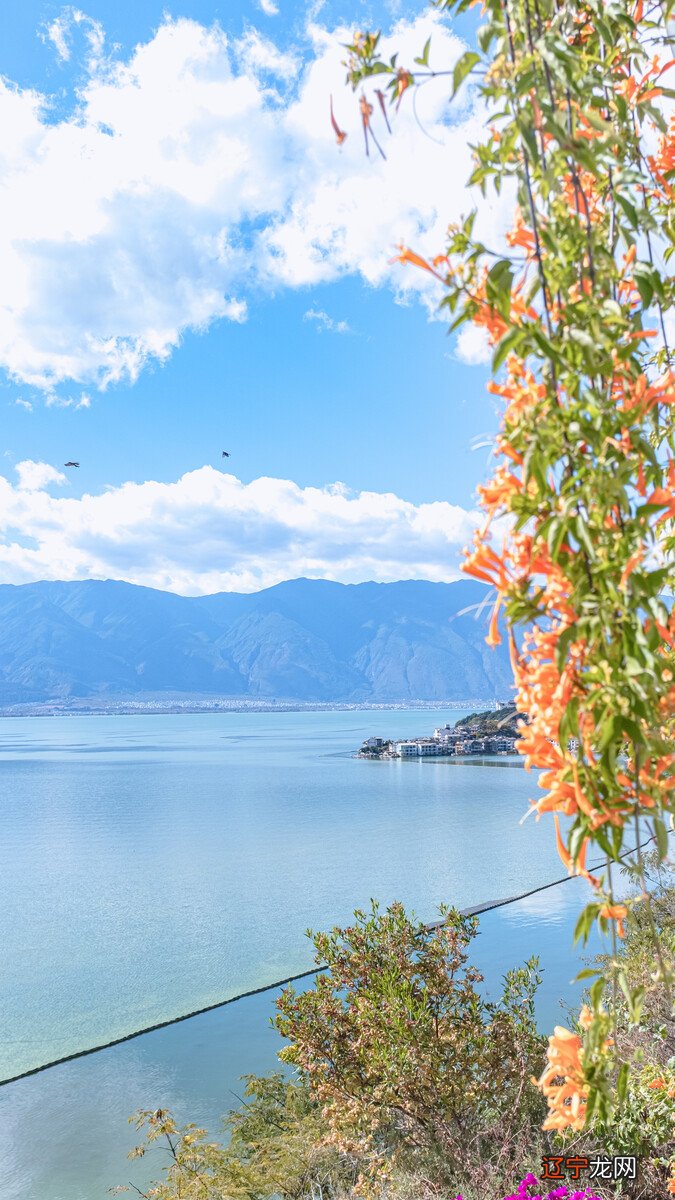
(305, 640)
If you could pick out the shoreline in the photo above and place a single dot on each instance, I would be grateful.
(175, 707)
(460, 760)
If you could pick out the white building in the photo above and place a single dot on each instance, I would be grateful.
(406, 749)
(421, 748)
(428, 746)
(503, 745)
(446, 733)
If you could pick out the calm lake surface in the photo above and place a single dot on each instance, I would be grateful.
(153, 865)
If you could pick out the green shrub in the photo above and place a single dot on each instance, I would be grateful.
(414, 1070)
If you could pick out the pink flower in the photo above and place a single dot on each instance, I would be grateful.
(526, 1191)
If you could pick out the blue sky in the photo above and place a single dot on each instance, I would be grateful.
(192, 266)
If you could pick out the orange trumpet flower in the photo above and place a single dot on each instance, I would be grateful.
(567, 1099)
(615, 912)
(409, 256)
(565, 856)
(494, 637)
(634, 561)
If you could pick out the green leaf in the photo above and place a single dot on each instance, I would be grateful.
(506, 345)
(592, 1104)
(603, 841)
(647, 274)
(584, 923)
(628, 210)
(459, 320)
(630, 728)
(545, 345)
(423, 60)
(596, 992)
(568, 636)
(462, 67)
(587, 973)
(645, 287)
(585, 539)
(597, 121)
(622, 1082)
(661, 837)
(485, 36)
(498, 284)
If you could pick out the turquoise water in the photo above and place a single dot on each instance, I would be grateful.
(64, 1134)
(153, 865)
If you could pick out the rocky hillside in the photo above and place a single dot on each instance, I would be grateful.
(503, 720)
(309, 640)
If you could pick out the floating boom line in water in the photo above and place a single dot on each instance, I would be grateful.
(475, 911)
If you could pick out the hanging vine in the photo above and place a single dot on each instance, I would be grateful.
(578, 536)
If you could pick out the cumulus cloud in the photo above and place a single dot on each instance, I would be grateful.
(208, 532)
(269, 8)
(257, 56)
(196, 172)
(36, 476)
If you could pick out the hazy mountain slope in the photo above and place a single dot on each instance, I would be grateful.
(47, 652)
(281, 657)
(304, 639)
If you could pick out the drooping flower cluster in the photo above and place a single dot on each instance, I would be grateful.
(578, 541)
(563, 1081)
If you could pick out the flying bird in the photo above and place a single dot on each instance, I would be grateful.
(225, 454)
(71, 464)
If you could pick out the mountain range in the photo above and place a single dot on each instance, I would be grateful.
(304, 640)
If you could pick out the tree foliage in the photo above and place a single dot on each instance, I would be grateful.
(578, 534)
(274, 1146)
(412, 1066)
(408, 1082)
(411, 1086)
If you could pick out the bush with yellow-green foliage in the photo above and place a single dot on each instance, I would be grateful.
(275, 1145)
(416, 1072)
(409, 1085)
(407, 1079)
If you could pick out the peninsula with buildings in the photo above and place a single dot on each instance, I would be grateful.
(491, 732)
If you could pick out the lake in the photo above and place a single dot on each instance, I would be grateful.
(157, 864)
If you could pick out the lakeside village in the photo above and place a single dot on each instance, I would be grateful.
(492, 732)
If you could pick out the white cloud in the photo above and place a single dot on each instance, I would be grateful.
(21, 403)
(196, 173)
(55, 401)
(209, 532)
(59, 32)
(472, 346)
(269, 8)
(36, 476)
(325, 323)
(257, 55)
